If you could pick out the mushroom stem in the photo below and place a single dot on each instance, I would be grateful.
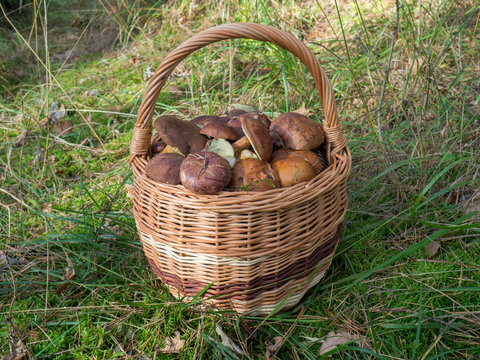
(241, 144)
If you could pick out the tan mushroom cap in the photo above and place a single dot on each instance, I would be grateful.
(296, 131)
(165, 168)
(258, 136)
(181, 134)
(312, 158)
(218, 130)
(254, 175)
(292, 169)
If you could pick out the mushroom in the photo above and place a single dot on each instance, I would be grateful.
(158, 146)
(254, 175)
(247, 154)
(235, 122)
(315, 161)
(202, 121)
(291, 168)
(182, 134)
(223, 148)
(257, 136)
(164, 168)
(218, 130)
(296, 131)
(205, 173)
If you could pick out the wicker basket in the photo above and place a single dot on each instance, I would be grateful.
(255, 252)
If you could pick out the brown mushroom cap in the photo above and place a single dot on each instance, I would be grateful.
(204, 120)
(292, 169)
(158, 146)
(205, 173)
(254, 175)
(296, 131)
(181, 134)
(218, 130)
(307, 155)
(257, 115)
(237, 126)
(258, 136)
(165, 168)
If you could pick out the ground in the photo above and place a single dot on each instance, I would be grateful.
(404, 280)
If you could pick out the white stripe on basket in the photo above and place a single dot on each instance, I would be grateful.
(195, 258)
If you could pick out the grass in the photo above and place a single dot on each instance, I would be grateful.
(414, 179)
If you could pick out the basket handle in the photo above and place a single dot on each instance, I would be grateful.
(143, 128)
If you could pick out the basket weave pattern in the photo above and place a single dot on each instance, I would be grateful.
(256, 251)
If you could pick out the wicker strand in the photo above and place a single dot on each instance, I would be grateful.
(336, 139)
(140, 141)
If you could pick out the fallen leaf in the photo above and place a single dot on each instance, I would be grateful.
(471, 203)
(46, 208)
(475, 108)
(20, 140)
(431, 249)
(148, 73)
(63, 128)
(57, 115)
(273, 348)
(227, 342)
(175, 90)
(173, 345)
(246, 108)
(17, 352)
(334, 340)
(302, 110)
(69, 275)
(135, 60)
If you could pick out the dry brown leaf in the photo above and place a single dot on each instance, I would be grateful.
(57, 115)
(63, 128)
(173, 345)
(472, 203)
(46, 208)
(69, 275)
(334, 340)
(431, 249)
(302, 110)
(175, 90)
(273, 348)
(229, 343)
(20, 140)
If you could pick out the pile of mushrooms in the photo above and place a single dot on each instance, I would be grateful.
(243, 151)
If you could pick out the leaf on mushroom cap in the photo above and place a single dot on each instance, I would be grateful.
(296, 131)
(258, 136)
(182, 134)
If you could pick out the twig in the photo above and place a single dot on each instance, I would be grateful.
(387, 73)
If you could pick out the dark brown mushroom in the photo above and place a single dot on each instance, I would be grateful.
(254, 175)
(205, 173)
(181, 134)
(158, 146)
(165, 168)
(204, 120)
(219, 130)
(257, 136)
(296, 131)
